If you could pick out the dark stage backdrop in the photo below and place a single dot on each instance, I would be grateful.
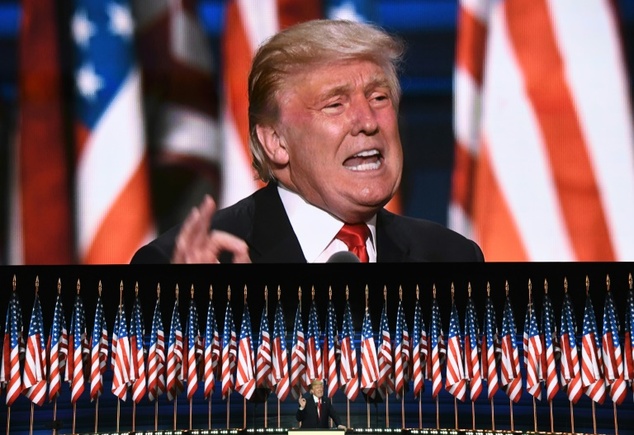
(378, 279)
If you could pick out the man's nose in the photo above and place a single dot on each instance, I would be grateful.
(364, 118)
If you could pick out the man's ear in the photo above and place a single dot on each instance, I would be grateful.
(272, 144)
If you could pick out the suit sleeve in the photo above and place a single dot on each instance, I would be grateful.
(332, 413)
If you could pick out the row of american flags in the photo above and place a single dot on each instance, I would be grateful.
(471, 361)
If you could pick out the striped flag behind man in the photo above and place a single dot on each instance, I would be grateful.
(419, 350)
(331, 341)
(175, 353)
(212, 353)
(510, 376)
(194, 349)
(280, 357)
(369, 358)
(245, 372)
(628, 338)
(569, 362)
(437, 348)
(612, 353)
(525, 64)
(99, 351)
(12, 350)
(34, 374)
(385, 384)
(533, 349)
(348, 369)
(455, 379)
(112, 179)
(298, 375)
(156, 355)
(77, 346)
(263, 363)
(314, 367)
(551, 354)
(401, 352)
(591, 358)
(121, 354)
(490, 348)
(472, 351)
(57, 349)
(138, 377)
(229, 353)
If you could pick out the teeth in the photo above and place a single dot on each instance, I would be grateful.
(367, 153)
(366, 166)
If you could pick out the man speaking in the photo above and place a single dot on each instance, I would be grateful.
(315, 410)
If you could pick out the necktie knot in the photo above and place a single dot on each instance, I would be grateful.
(354, 236)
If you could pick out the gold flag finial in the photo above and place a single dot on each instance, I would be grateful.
(330, 293)
(99, 288)
(367, 296)
(400, 293)
(629, 280)
(37, 284)
(211, 292)
(228, 293)
(417, 292)
(59, 286)
(565, 285)
(452, 292)
(347, 292)
(530, 290)
(158, 290)
(136, 288)
(191, 291)
(299, 293)
(79, 285)
(385, 293)
(433, 291)
(469, 289)
(488, 289)
(312, 292)
(607, 282)
(506, 287)
(279, 293)
(245, 294)
(545, 286)
(587, 285)
(14, 282)
(176, 292)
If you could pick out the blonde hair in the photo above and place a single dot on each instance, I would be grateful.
(302, 46)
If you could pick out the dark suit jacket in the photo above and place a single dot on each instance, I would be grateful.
(260, 220)
(309, 417)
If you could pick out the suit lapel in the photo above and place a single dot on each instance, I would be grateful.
(273, 239)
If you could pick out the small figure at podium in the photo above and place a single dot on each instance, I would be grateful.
(315, 410)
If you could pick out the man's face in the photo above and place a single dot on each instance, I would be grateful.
(339, 130)
(318, 390)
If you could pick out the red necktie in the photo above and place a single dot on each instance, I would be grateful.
(319, 408)
(354, 236)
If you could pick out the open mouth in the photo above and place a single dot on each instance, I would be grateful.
(364, 161)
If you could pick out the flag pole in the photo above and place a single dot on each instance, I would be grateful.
(616, 420)
(156, 414)
(174, 415)
(420, 410)
(31, 420)
(387, 397)
(511, 412)
(572, 418)
(492, 415)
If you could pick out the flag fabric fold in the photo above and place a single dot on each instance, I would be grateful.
(551, 354)
(401, 352)
(194, 350)
(314, 367)
(213, 351)
(369, 358)
(57, 350)
(491, 349)
(77, 347)
(569, 360)
(455, 379)
(99, 351)
(121, 356)
(612, 352)
(510, 375)
(12, 350)
(438, 350)
(348, 369)
(156, 363)
(264, 363)
(245, 372)
(138, 377)
(175, 353)
(472, 356)
(34, 379)
(280, 356)
(419, 350)
(229, 353)
(330, 351)
(591, 358)
(298, 375)
(533, 350)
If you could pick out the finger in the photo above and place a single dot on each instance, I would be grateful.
(192, 238)
(221, 241)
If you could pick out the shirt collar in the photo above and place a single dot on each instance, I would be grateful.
(305, 217)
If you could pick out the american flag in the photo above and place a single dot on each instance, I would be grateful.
(369, 357)
(612, 354)
(247, 24)
(504, 77)
(628, 339)
(57, 350)
(12, 350)
(212, 351)
(510, 376)
(473, 372)
(591, 359)
(549, 357)
(455, 380)
(490, 348)
(99, 351)
(419, 350)
(245, 372)
(569, 360)
(385, 384)
(179, 77)
(77, 346)
(194, 349)
(348, 369)
(112, 175)
(229, 353)
(532, 353)
(263, 364)
(330, 350)
(156, 356)
(34, 374)
(138, 376)
(298, 375)
(280, 357)
(122, 376)
(437, 347)
(314, 368)
(175, 350)
(401, 352)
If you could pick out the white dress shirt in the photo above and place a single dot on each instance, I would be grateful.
(318, 246)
